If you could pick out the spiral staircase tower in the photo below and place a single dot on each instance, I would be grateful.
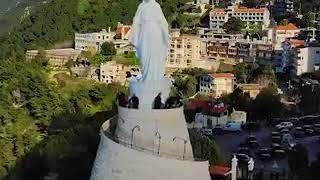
(147, 144)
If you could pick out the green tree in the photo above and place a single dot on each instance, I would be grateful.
(108, 49)
(99, 59)
(204, 148)
(234, 25)
(308, 20)
(267, 104)
(41, 58)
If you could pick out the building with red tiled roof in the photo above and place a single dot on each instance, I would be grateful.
(288, 27)
(123, 31)
(219, 16)
(217, 84)
(279, 34)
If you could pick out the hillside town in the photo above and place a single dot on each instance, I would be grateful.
(239, 100)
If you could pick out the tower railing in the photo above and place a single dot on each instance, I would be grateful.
(107, 131)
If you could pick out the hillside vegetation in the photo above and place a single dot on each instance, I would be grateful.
(53, 126)
(58, 20)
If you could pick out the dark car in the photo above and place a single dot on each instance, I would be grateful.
(275, 137)
(285, 131)
(217, 130)
(243, 158)
(298, 132)
(244, 150)
(316, 128)
(252, 141)
(277, 151)
(264, 154)
(275, 134)
(308, 130)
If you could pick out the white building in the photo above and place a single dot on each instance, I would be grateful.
(307, 59)
(278, 34)
(219, 16)
(217, 84)
(92, 41)
(111, 72)
(184, 51)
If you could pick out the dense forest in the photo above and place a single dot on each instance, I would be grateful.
(51, 123)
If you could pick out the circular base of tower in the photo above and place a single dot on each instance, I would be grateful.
(115, 161)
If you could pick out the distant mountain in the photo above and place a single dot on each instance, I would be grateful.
(12, 12)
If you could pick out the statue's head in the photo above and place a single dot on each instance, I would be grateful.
(146, 1)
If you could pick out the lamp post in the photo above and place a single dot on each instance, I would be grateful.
(184, 145)
(157, 134)
(132, 133)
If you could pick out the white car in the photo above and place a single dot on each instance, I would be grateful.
(206, 132)
(286, 125)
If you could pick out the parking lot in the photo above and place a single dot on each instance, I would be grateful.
(230, 142)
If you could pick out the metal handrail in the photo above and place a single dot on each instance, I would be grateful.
(127, 144)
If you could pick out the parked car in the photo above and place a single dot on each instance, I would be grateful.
(244, 150)
(284, 131)
(252, 141)
(217, 130)
(316, 128)
(233, 127)
(308, 130)
(277, 151)
(264, 154)
(275, 137)
(298, 132)
(286, 125)
(206, 132)
(243, 158)
(251, 126)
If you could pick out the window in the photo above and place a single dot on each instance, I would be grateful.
(317, 52)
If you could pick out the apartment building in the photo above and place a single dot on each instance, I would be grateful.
(219, 16)
(184, 51)
(92, 41)
(217, 84)
(56, 57)
(239, 50)
(278, 34)
(307, 59)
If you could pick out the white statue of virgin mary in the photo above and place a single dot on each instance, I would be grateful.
(150, 36)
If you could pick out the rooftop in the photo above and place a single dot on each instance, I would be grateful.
(289, 27)
(250, 10)
(250, 86)
(297, 43)
(58, 52)
(222, 75)
(218, 11)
